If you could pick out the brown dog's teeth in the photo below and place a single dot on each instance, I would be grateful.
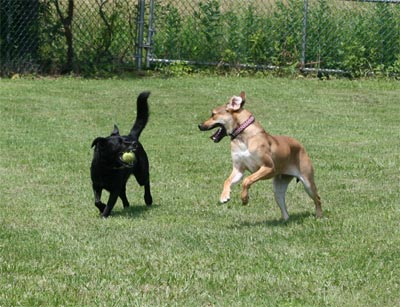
(215, 136)
(218, 135)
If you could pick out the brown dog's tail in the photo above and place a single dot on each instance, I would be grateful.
(142, 115)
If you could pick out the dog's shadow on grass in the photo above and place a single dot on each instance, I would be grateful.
(295, 218)
(133, 211)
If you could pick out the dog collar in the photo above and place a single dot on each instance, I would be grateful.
(242, 127)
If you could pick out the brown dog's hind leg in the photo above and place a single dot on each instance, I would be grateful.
(311, 189)
(280, 184)
(307, 178)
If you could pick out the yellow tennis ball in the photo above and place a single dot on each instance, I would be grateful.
(128, 157)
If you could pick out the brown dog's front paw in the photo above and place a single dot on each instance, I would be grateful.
(225, 197)
(245, 199)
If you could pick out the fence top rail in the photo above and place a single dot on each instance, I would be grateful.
(376, 1)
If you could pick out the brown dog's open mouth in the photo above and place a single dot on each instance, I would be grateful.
(219, 135)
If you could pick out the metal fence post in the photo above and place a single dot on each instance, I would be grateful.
(139, 42)
(304, 36)
(150, 33)
(8, 36)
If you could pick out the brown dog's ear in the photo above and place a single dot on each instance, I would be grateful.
(235, 103)
(115, 131)
(243, 96)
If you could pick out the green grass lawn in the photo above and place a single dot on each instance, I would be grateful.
(187, 250)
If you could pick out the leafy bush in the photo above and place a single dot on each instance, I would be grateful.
(354, 36)
(359, 38)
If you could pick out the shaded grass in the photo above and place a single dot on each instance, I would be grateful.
(187, 250)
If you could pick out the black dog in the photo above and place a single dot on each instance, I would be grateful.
(110, 172)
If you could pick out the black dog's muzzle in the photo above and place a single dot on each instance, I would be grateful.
(131, 147)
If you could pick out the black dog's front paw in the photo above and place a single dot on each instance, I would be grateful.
(100, 206)
(148, 200)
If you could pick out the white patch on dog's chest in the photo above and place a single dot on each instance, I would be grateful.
(242, 157)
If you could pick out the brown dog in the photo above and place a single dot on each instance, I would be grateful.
(265, 156)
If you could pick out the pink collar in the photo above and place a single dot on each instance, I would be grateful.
(242, 127)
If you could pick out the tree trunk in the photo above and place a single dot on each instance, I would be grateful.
(67, 24)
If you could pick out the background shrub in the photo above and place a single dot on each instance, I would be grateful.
(355, 36)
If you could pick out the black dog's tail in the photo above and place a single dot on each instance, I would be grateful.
(142, 115)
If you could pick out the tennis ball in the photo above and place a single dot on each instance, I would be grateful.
(128, 157)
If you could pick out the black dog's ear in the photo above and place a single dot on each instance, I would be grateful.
(97, 140)
(115, 131)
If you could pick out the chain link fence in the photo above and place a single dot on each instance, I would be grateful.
(89, 36)
(62, 36)
(311, 35)
(18, 35)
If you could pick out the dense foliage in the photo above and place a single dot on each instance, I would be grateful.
(358, 38)
(353, 36)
